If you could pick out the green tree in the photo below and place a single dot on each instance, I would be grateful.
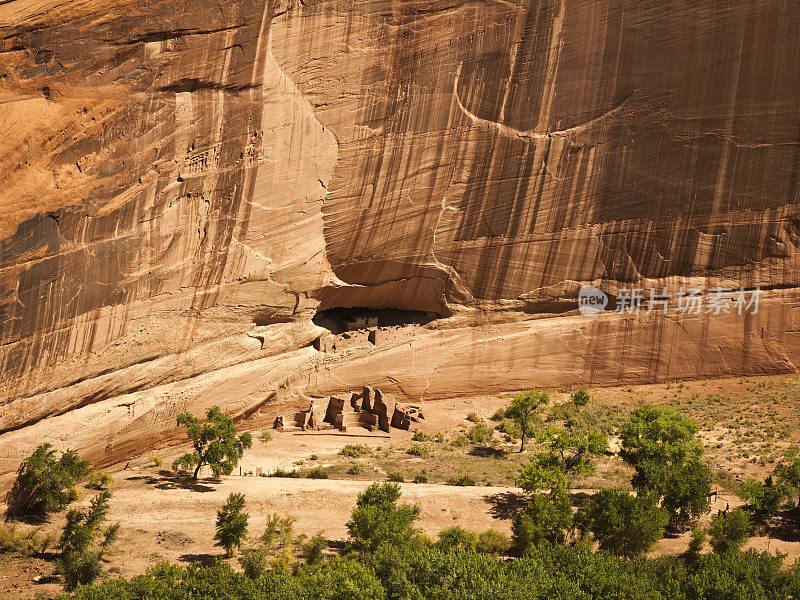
(523, 409)
(764, 497)
(457, 537)
(480, 433)
(378, 519)
(662, 447)
(729, 531)
(82, 543)
(231, 524)
(45, 484)
(788, 473)
(623, 524)
(215, 443)
(547, 519)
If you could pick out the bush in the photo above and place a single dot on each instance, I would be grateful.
(729, 531)
(623, 524)
(457, 537)
(317, 473)
(460, 441)
(417, 450)
(354, 469)
(265, 436)
(439, 438)
(499, 415)
(480, 434)
(100, 481)
(580, 397)
(355, 450)
(420, 437)
(255, 562)
(395, 476)
(378, 519)
(473, 416)
(156, 460)
(25, 542)
(422, 477)
(45, 484)
(696, 544)
(461, 480)
(492, 541)
(313, 549)
(231, 524)
(293, 474)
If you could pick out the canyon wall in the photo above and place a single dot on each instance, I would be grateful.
(188, 185)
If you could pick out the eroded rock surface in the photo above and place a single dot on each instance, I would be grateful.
(186, 184)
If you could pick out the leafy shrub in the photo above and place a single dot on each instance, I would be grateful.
(100, 481)
(422, 477)
(509, 429)
(499, 414)
(480, 434)
(354, 469)
(317, 473)
(729, 531)
(696, 544)
(492, 541)
(378, 519)
(461, 480)
(457, 537)
(26, 542)
(254, 561)
(580, 397)
(395, 476)
(355, 450)
(420, 437)
(417, 450)
(231, 524)
(313, 548)
(156, 460)
(293, 474)
(460, 441)
(439, 438)
(473, 416)
(45, 484)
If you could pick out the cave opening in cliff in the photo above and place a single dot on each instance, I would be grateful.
(340, 320)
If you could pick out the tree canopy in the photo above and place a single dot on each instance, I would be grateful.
(215, 443)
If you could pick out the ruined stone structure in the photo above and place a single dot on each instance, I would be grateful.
(370, 409)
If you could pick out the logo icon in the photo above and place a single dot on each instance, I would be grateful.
(591, 300)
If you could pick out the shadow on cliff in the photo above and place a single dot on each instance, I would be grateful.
(167, 480)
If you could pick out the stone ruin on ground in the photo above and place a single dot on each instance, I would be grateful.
(370, 409)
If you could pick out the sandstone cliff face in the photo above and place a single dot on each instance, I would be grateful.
(186, 184)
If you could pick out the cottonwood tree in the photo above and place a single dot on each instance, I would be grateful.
(523, 409)
(623, 524)
(215, 443)
(662, 447)
(788, 473)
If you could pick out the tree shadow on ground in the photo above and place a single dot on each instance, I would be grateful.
(167, 480)
(506, 505)
(578, 499)
(784, 527)
(203, 560)
(488, 452)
